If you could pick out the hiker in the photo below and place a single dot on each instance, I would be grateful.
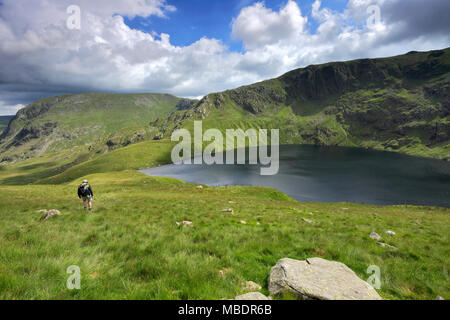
(85, 193)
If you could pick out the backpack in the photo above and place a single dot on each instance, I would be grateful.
(84, 188)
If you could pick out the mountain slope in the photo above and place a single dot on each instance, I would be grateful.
(397, 104)
(82, 124)
(4, 120)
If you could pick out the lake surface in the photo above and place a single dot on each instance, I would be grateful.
(333, 174)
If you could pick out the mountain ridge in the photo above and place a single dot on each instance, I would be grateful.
(399, 104)
(395, 104)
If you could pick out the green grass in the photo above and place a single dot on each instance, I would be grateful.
(131, 248)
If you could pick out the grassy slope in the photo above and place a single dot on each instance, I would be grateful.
(85, 120)
(130, 248)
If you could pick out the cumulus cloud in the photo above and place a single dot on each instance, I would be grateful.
(40, 56)
(258, 26)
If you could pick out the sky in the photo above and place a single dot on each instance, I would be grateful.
(190, 48)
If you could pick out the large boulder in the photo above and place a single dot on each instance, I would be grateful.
(319, 279)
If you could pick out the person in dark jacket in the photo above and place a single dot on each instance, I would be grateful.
(86, 194)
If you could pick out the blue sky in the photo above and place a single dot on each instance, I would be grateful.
(195, 19)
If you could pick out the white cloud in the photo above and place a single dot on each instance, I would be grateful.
(258, 26)
(41, 56)
(6, 110)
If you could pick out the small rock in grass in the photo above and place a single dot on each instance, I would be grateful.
(231, 202)
(243, 222)
(385, 245)
(391, 233)
(252, 296)
(439, 298)
(178, 224)
(252, 286)
(49, 214)
(375, 236)
(307, 221)
(221, 273)
(187, 224)
(375, 214)
(199, 187)
(311, 214)
(345, 209)
(228, 211)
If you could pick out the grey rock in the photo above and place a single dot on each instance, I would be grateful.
(252, 286)
(200, 187)
(391, 233)
(184, 224)
(385, 245)
(252, 296)
(319, 279)
(228, 211)
(307, 221)
(375, 236)
(439, 298)
(49, 214)
(187, 224)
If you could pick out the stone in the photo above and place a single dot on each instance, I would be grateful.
(243, 222)
(385, 245)
(439, 298)
(375, 236)
(252, 286)
(49, 214)
(187, 224)
(318, 279)
(374, 214)
(391, 233)
(228, 211)
(307, 221)
(199, 187)
(252, 296)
